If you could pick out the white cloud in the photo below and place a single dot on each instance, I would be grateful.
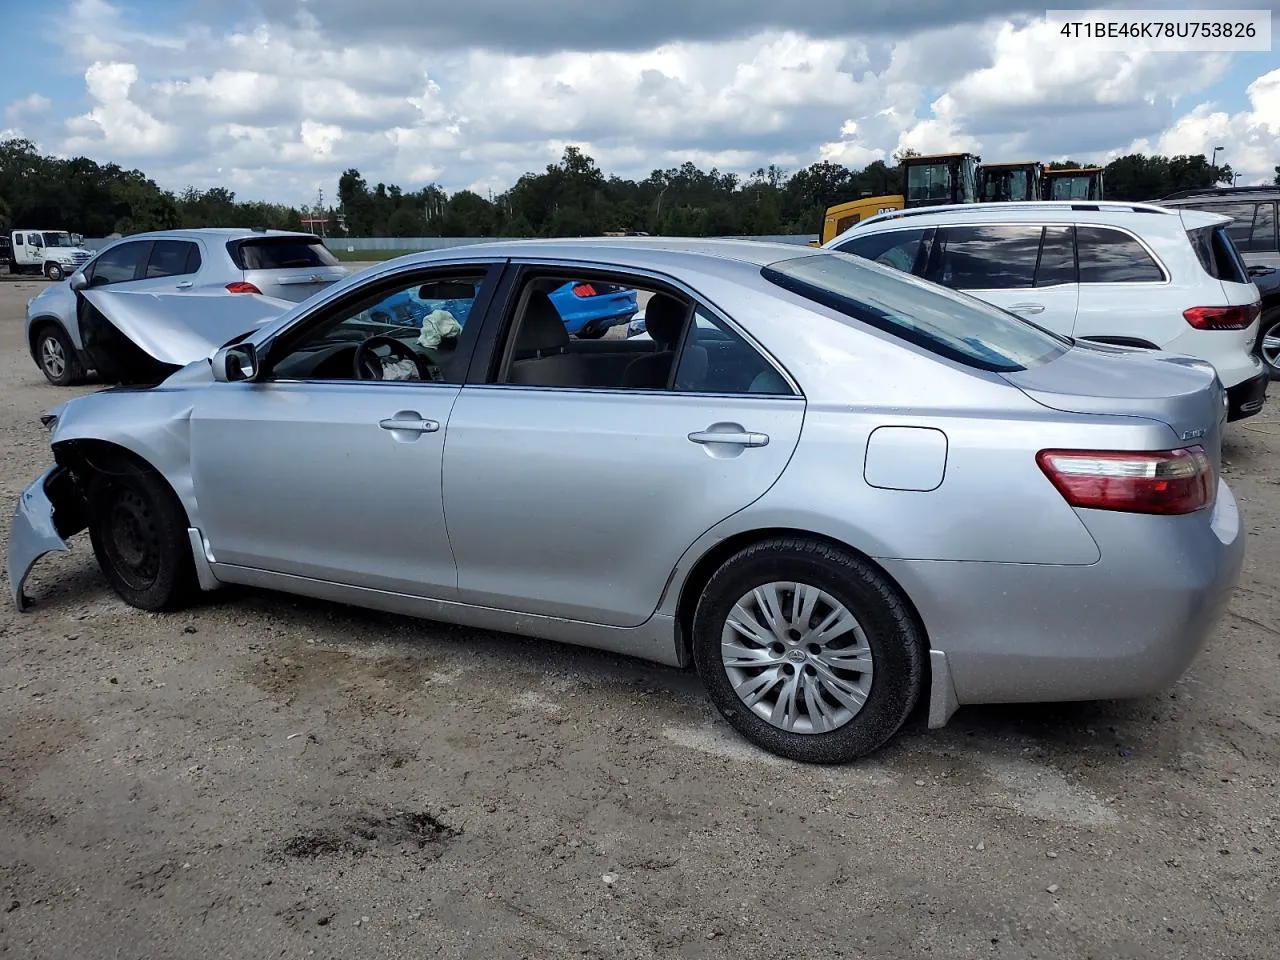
(117, 122)
(275, 108)
(1251, 137)
(30, 106)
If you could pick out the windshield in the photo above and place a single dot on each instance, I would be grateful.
(52, 239)
(1070, 188)
(942, 321)
(930, 181)
(1006, 185)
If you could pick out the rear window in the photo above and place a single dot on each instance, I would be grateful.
(953, 325)
(277, 253)
(1218, 255)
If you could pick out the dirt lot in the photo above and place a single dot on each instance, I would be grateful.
(266, 776)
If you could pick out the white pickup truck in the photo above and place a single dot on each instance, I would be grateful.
(55, 253)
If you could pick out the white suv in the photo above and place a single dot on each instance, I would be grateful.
(1131, 274)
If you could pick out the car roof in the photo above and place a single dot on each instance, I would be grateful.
(626, 250)
(1049, 211)
(1225, 194)
(227, 233)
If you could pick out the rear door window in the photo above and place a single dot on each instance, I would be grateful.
(1057, 257)
(899, 249)
(119, 264)
(986, 256)
(280, 253)
(1252, 227)
(1108, 255)
(172, 258)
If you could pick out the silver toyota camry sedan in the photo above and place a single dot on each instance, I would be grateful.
(838, 492)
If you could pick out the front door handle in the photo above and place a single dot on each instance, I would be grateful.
(183, 285)
(417, 425)
(1028, 308)
(739, 438)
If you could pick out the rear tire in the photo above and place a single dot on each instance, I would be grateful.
(139, 534)
(829, 701)
(57, 356)
(1270, 328)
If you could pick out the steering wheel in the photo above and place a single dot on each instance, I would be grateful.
(368, 364)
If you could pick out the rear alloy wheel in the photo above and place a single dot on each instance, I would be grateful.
(807, 650)
(1269, 341)
(53, 271)
(58, 359)
(139, 534)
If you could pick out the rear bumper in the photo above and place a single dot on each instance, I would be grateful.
(1247, 397)
(1126, 626)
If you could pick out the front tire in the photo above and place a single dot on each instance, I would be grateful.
(57, 356)
(807, 650)
(139, 534)
(1269, 341)
(53, 271)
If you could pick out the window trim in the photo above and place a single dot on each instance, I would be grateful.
(1166, 275)
(278, 346)
(500, 323)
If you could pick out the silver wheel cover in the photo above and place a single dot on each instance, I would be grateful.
(797, 657)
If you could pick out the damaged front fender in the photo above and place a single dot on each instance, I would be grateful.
(48, 512)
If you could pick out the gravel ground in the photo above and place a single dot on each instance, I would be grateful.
(265, 776)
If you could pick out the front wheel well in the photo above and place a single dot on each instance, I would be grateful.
(37, 326)
(709, 562)
(86, 457)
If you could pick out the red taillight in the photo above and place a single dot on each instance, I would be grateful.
(1160, 481)
(1222, 318)
(242, 286)
(584, 290)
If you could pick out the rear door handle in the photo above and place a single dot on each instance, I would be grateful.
(413, 426)
(183, 285)
(741, 439)
(1028, 308)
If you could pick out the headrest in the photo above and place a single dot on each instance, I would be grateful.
(541, 329)
(664, 320)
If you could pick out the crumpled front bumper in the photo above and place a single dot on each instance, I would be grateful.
(43, 518)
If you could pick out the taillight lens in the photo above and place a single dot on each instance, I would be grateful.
(242, 286)
(1161, 481)
(584, 290)
(1222, 318)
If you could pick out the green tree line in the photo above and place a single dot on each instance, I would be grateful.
(572, 197)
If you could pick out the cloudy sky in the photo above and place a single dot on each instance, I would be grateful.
(275, 98)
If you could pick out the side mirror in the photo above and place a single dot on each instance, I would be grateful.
(78, 281)
(235, 363)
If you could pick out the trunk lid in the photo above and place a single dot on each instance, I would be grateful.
(1182, 392)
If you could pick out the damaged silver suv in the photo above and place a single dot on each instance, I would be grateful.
(280, 267)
